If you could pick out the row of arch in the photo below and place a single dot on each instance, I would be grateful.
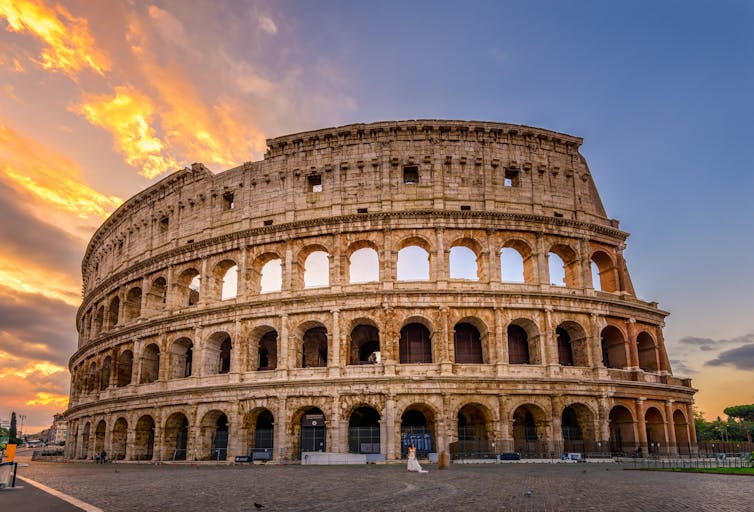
(414, 263)
(312, 344)
(529, 430)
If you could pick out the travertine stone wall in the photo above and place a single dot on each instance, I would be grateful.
(555, 367)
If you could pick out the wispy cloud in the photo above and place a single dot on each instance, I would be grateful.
(68, 45)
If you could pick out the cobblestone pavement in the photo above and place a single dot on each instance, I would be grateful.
(505, 487)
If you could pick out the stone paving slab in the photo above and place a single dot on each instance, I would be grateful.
(503, 487)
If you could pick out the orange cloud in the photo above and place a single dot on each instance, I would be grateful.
(128, 116)
(70, 47)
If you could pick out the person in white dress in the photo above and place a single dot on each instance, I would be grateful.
(413, 464)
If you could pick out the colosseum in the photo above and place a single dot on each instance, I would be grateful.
(449, 283)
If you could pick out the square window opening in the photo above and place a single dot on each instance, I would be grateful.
(314, 182)
(411, 175)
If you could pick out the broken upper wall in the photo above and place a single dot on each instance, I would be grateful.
(355, 169)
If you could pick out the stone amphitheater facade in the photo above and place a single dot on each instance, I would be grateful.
(172, 363)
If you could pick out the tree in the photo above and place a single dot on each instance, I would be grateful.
(745, 416)
(12, 433)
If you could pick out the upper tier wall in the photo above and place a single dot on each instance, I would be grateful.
(379, 167)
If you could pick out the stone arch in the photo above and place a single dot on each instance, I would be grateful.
(176, 436)
(647, 349)
(570, 264)
(622, 432)
(309, 430)
(462, 252)
(157, 296)
(113, 311)
(225, 275)
(119, 439)
(415, 343)
(182, 352)
(364, 430)
(604, 269)
(99, 437)
(577, 424)
(150, 364)
(419, 426)
(681, 429)
(132, 306)
(214, 430)
(529, 425)
(259, 428)
(657, 440)
(267, 273)
(573, 344)
(364, 342)
(144, 439)
(467, 342)
(104, 374)
(521, 263)
(614, 353)
(523, 342)
(363, 262)
(313, 262)
(125, 368)
(188, 288)
(217, 353)
(414, 259)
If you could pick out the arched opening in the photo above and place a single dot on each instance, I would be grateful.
(183, 358)
(188, 288)
(271, 276)
(158, 295)
(364, 431)
(681, 429)
(657, 441)
(605, 279)
(317, 270)
(85, 441)
(415, 345)
(176, 436)
(119, 437)
(463, 263)
(313, 431)
(91, 379)
(511, 265)
(132, 307)
(214, 435)
(218, 354)
(413, 264)
(268, 351)
(577, 426)
(572, 341)
(645, 345)
(565, 351)
(467, 344)
(227, 272)
(365, 345)
(529, 432)
(364, 266)
(144, 439)
(99, 438)
(622, 436)
(125, 367)
(150, 364)
(104, 377)
(613, 348)
(314, 348)
(518, 345)
(472, 431)
(418, 427)
(112, 314)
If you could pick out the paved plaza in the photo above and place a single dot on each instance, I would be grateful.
(505, 487)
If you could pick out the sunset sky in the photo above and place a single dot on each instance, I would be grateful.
(98, 99)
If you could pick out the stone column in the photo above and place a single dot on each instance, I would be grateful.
(670, 428)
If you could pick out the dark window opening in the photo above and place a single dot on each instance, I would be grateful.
(228, 202)
(315, 183)
(511, 178)
(411, 175)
